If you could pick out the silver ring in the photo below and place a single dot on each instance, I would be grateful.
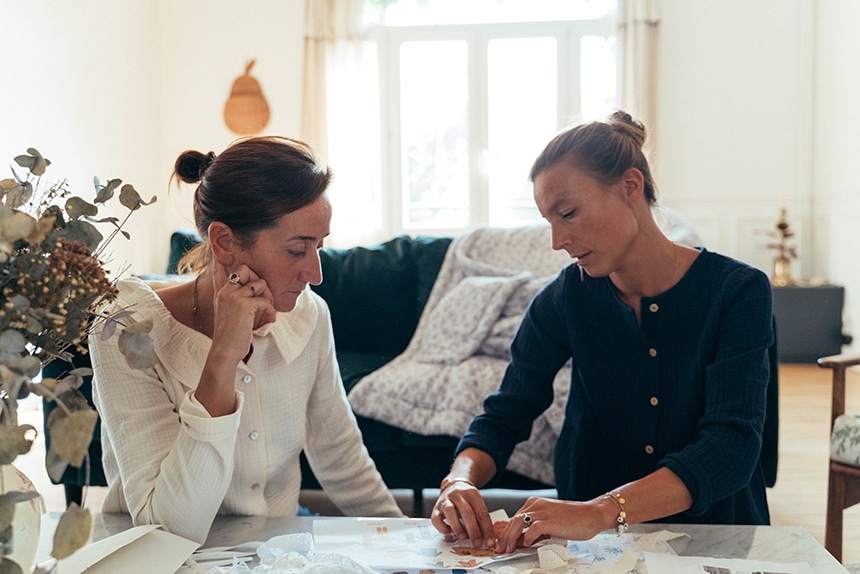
(527, 518)
(233, 278)
(251, 287)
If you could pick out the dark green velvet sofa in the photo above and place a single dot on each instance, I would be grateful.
(376, 295)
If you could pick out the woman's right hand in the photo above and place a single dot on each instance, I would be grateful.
(460, 512)
(242, 303)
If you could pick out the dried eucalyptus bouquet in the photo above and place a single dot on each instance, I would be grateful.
(54, 287)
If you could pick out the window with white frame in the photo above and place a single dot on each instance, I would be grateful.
(470, 91)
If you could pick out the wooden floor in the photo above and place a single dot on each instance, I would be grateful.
(800, 494)
(798, 498)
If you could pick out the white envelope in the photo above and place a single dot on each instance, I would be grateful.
(139, 549)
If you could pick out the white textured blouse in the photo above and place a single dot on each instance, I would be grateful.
(168, 462)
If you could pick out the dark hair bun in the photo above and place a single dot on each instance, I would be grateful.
(625, 123)
(191, 165)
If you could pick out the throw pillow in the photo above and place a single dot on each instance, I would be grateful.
(845, 440)
(520, 299)
(461, 320)
(498, 341)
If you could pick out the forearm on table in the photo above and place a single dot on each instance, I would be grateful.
(662, 493)
(177, 470)
(188, 492)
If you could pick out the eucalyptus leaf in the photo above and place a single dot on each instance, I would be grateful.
(71, 435)
(136, 344)
(34, 162)
(12, 343)
(121, 314)
(130, 198)
(114, 220)
(65, 385)
(22, 495)
(7, 511)
(81, 232)
(17, 226)
(28, 365)
(13, 441)
(73, 531)
(55, 465)
(44, 388)
(108, 330)
(19, 197)
(9, 567)
(81, 372)
(8, 184)
(105, 193)
(73, 400)
(77, 207)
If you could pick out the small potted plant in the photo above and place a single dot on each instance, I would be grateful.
(784, 252)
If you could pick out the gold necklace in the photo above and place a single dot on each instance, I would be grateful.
(195, 307)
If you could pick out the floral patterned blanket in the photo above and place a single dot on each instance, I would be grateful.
(459, 351)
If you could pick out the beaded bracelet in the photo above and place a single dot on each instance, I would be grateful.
(622, 515)
(449, 481)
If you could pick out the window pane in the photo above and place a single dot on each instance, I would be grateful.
(522, 118)
(433, 100)
(598, 79)
(435, 12)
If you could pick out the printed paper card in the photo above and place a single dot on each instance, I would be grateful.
(404, 543)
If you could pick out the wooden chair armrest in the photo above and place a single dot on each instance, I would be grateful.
(839, 364)
(839, 361)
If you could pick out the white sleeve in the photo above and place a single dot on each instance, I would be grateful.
(174, 461)
(334, 447)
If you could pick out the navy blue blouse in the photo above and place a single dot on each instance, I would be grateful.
(685, 390)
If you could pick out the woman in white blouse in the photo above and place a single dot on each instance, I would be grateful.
(246, 376)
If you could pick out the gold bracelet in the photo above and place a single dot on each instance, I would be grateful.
(622, 514)
(446, 482)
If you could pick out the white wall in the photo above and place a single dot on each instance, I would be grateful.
(757, 108)
(119, 89)
(79, 85)
(735, 113)
(836, 149)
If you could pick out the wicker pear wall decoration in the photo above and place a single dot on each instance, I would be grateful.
(246, 111)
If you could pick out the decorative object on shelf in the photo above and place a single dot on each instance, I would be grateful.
(784, 252)
(53, 289)
(246, 111)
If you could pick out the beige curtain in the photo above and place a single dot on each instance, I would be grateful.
(637, 40)
(329, 24)
(340, 117)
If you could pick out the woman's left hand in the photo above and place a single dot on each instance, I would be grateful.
(541, 518)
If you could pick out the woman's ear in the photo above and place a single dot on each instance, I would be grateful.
(222, 242)
(633, 183)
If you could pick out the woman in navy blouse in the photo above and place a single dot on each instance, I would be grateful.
(668, 346)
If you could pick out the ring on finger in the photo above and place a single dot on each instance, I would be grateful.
(527, 518)
(233, 278)
(251, 287)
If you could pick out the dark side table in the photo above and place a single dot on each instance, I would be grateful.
(808, 322)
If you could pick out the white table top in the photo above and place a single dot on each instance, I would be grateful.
(767, 543)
